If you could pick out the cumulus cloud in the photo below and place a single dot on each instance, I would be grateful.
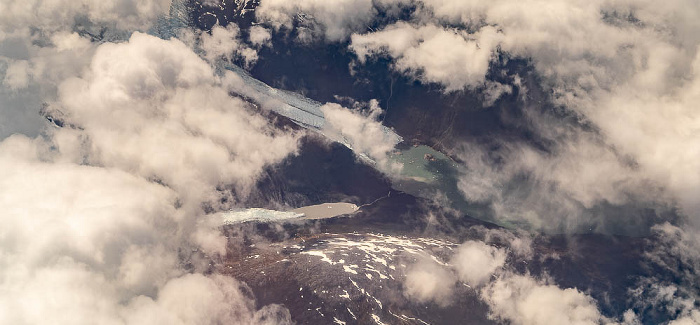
(104, 217)
(518, 243)
(428, 281)
(362, 132)
(629, 79)
(627, 70)
(330, 20)
(226, 43)
(472, 263)
(96, 211)
(450, 57)
(669, 287)
(154, 108)
(566, 189)
(259, 36)
(520, 299)
(475, 262)
(31, 66)
(40, 46)
(691, 319)
(84, 244)
(17, 74)
(58, 15)
(511, 297)
(666, 290)
(215, 299)
(492, 91)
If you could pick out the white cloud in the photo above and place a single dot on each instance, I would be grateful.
(89, 235)
(69, 234)
(511, 297)
(493, 91)
(690, 319)
(259, 36)
(661, 132)
(560, 190)
(475, 262)
(362, 132)
(428, 281)
(334, 19)
(633, 80)
(628, 68)
(450, 57)
(32, 72)
(54, 15)
(154, 108)
(225, 43)
(518, 242)
(520, 299)
(39, 43)
(17, 75)
(197, 299)
(670, 285)
(96, 212)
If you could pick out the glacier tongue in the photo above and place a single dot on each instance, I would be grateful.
(257, 214)
(303, 111)
(177, 19)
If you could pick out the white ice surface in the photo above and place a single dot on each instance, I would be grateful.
(256, 214)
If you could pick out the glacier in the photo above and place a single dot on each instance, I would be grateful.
(303, 111)
(417, 176)
(311, 212)
(257, 214)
